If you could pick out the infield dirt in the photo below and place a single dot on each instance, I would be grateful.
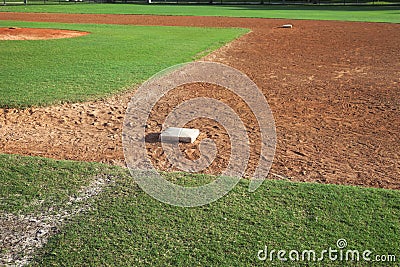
(333, 88)
(13, 33)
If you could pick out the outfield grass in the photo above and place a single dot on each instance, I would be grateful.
(110, 59)
(345, 13)
(129, 228)
(29, 184)
(126, 227)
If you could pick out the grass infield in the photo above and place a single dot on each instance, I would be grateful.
(126, 227)
(345, 13)
(111, 59)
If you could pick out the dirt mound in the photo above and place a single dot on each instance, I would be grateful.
(14, 33)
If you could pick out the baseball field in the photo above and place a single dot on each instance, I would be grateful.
(332, 81)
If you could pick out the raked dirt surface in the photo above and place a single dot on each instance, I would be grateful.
(333, 88)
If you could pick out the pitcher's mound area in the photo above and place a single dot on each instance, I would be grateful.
(13, 33)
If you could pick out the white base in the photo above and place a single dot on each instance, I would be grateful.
(185, 135)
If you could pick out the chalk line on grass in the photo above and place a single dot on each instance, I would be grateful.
(21, 235)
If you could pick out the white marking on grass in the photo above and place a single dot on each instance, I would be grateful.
(22, 235)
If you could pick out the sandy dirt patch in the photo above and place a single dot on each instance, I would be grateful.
(14, 33)
(333, 88)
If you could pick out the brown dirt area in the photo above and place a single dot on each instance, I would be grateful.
(13, 33)
(333, 88)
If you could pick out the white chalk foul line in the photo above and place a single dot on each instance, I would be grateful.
(22, 235)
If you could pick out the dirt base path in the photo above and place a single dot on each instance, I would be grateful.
(333, 88)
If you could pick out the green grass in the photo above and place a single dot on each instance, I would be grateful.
(111, 59)
(129, 228)
(29, 184)
(126, 227)
(346, 13)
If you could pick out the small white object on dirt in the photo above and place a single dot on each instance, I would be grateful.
(287, 26)
(185, 135)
